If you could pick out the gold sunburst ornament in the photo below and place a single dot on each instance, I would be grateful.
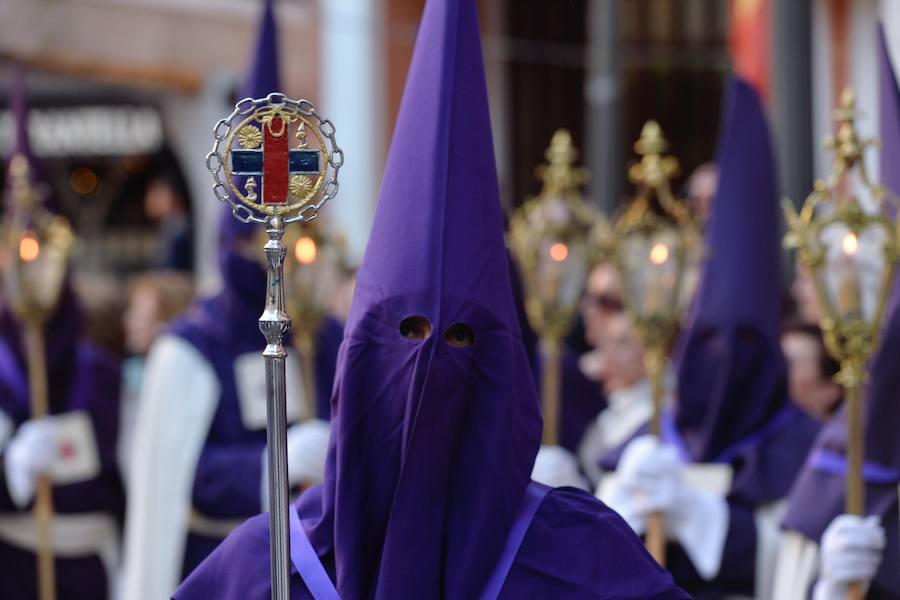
(301, 187)
(250, 137)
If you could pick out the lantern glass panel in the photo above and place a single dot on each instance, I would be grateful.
(34, 269)
(650, 271)
(853, 271)
(560, 272)
(312, 274)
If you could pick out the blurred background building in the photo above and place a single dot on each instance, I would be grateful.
(124, 94)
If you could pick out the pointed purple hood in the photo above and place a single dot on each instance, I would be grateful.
(731, 372)
(432, 444)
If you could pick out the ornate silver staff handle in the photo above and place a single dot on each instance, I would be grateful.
(251, 143)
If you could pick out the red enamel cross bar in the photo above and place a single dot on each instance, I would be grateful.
(275, 162)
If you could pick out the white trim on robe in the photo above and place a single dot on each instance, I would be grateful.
(797, 567)
(176, 408)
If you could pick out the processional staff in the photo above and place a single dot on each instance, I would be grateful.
(36, 246)
(254, 141)
(655, 244)
(313, 276)
(549, 237)
(842, 246)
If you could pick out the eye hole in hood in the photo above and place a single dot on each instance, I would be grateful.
(415, 328)
(459, 335)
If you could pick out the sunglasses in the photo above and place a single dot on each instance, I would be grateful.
(604, 302)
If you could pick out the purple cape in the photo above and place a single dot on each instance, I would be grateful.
(818, 496)
(433, 439)
(93, 386)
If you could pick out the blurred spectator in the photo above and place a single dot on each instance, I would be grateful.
(165, 203)
(343, 297)
(811, 371)
(701, 189)
(617, 362)
(103, 302)
(602, 301)
(154, 299)
(803, 291)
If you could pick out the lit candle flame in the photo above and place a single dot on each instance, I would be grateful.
(659, 254)
(559, 252)
(850, 244)
(305, 250)
(29, 248)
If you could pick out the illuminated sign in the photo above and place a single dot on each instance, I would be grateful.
(88, 131)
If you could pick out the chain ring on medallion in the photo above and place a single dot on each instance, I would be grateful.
(248, 210)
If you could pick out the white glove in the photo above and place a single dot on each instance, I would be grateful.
(557, 467)
(650, 479)
(307, 448)
(30, 454)
(851, 551)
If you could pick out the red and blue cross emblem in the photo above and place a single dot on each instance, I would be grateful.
(275, 162)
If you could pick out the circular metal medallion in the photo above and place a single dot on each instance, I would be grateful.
(275, 157)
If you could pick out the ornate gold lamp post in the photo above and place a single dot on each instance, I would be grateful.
(35, 251)
(655, 245)
(313, 274)
(848, 240)
(549, 236)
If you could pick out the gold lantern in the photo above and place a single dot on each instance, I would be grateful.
(847, 238)
(315, 269)
(35, 247)
(549, 235)
(655, 244)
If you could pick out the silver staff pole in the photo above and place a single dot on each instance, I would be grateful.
(255, 142)
(274, 325)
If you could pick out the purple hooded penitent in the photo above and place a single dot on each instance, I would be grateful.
(731, 372)
(819, 494)
(732, 391)
(65, 326)
(79, 377)
(434, 436)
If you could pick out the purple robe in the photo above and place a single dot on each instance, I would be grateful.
(228, 477)
(819, 494)
(433, 437)
(81, 378)
(548, 565)
(732, 403)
